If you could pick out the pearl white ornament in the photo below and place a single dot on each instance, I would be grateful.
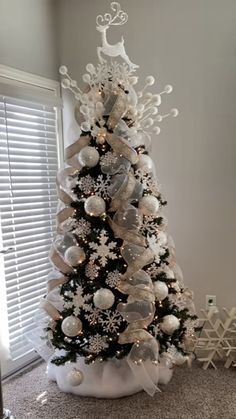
(156, 99)
(161, 290)
(169, 324)
(156, 130)
(85, 126)
(65, 83)
(168, 88)
(86, 78)
(149, 205)
(74, 377)
(150, 80)
(88, 156)
(63, 70)
(103, 298)
(147, 123)
(95, 206)
(174, 112)
(71, 326)
(90, 68)
(145, 162)
(74, 255)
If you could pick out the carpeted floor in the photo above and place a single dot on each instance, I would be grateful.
(191, 394)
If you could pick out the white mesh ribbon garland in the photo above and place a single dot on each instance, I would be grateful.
(139, 310)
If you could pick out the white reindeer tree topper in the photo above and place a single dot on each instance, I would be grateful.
(103, 23)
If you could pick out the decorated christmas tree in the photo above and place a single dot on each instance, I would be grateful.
(120, 317)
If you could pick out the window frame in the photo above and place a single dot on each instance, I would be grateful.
(15, 79)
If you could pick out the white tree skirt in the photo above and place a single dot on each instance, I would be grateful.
(110, 379)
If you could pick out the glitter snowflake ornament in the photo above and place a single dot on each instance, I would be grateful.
(86, 184)
(77, 301)
(103, 251)
(110, 321)
(82, 228)
(97, 343)
(113, 278)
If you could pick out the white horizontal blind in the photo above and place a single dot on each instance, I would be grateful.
(28, 202)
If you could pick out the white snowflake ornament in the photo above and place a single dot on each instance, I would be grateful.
(91, 270)
(101, 185)
(103, 250)
(97, 343)
(111, 321)
(78, 301)
(113, 278)
(155, 246)
(82, 228)
(86, 184)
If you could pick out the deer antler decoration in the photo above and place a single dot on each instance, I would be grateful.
(107, 19)
(103, 23)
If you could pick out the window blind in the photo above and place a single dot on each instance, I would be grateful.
(28, 203)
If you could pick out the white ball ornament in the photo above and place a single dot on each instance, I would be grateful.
(71, 326)
(145, 162)
(149, 205)
(88, 156)
(74, 377)
(74, 255)
(103, 298)
(95, 206)
(161, 290)
(169, 324)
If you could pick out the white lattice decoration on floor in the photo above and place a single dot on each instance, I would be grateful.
(217, 338)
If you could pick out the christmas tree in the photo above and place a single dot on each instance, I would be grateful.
(120, 315)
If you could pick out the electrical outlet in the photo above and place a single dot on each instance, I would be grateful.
(210, 301)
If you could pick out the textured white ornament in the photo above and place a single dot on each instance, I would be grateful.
(145, 162)
(71, 326)
(74, 377)
(103, 298)
(74, 255)
(95, 206)
(149, 205)
(161, 290)
(169, 324)
(88, 156)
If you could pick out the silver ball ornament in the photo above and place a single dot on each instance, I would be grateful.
(71, 326)
(148, 205)
(103, 298)
(161, 290)
(145, 162)
(88, 156)
(74, 255)
(169, 324)
(95, 206)
(74, 377)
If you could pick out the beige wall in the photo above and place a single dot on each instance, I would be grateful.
(192, 45)
(28, 36)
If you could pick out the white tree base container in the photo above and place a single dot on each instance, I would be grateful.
(109, 379)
